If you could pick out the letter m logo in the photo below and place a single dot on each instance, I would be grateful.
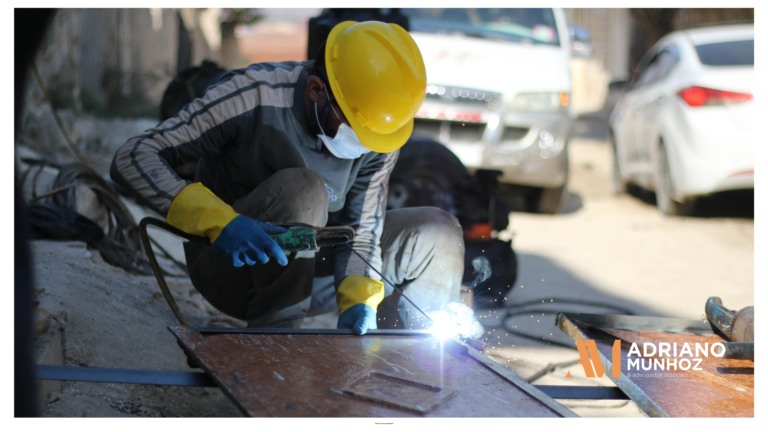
(588, 349)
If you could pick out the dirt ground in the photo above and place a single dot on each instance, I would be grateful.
(118, 320)
(616, 250)
(622, 252)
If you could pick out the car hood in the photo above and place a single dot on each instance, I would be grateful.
(499, 66)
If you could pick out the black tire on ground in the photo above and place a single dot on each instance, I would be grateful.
(619, 183)
(665, 190)
(424, 157)
(552, 200)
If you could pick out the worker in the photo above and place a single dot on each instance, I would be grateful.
(311, 142)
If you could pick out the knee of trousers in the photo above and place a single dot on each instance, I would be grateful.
(442, 229)
(297, 195)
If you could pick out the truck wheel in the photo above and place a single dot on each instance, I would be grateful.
(425, 157)
(427, 173)
(664, 188)
(552, 200)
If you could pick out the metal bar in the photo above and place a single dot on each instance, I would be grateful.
(582, 392)
(201, 379)
(208, 331)
(565, 322)
(308, 331)
(740, 350)
(521, 383)
(124, 376)
(636, 323)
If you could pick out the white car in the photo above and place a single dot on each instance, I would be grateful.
(498, 93)
(685, 128)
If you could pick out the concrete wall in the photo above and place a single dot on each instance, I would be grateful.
(610, 30)
(116, 61)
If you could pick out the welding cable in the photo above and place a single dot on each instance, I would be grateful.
(385, 280)
(120, 245)
(514, 311)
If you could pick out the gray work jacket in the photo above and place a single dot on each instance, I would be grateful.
(245, 128)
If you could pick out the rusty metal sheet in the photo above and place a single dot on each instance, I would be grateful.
(723, 388)
(333, 375)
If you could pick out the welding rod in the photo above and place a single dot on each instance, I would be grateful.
(385, 280)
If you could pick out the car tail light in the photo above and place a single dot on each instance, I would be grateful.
(700, 96)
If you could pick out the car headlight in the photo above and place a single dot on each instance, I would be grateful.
(540, 102)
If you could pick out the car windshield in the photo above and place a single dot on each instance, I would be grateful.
(523, 25)
(736, 53)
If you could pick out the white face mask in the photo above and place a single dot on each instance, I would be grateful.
(346, 144)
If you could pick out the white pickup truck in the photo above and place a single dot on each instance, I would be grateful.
(498, 94)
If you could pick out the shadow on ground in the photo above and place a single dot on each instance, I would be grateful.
(591, 126)
(542, 289)
(738, 204)
(573, 203)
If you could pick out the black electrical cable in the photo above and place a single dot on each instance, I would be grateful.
(513, 311)
(120, 245)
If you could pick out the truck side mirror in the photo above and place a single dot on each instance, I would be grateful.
(581, 42)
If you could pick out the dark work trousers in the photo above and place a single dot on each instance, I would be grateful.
(422, 253)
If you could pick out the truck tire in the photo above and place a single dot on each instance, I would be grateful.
(424, 157)
(552, 200)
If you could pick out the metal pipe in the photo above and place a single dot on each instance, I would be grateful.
(739, 350)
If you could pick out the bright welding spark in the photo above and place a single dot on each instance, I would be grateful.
(457, 319)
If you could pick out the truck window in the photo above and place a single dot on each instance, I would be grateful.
(523, 25)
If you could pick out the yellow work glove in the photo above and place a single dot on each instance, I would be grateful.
(238, 238)
(358, 297)
(197, 211)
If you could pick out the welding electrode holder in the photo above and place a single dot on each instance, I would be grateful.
(299, 237)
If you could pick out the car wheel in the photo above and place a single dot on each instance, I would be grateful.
(619, 184)
(552, 200)
(664, 189)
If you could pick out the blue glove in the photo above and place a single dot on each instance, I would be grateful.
(246, 240)
(360, 318)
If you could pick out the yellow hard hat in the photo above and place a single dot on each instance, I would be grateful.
(378, 77)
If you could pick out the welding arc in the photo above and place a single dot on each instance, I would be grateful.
(385, 280)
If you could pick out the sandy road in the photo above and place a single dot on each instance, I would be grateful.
(622, 251)
(624, 247)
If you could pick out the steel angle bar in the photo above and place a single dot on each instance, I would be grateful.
(201, 379)
(307, 331)
(521, 383)
(582, 392)
(638, 323)
(566, 323)
(210, 331)
(124, 376)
